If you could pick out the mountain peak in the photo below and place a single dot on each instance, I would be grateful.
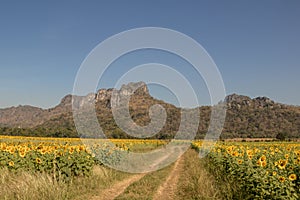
(236, 98)
(137, 88)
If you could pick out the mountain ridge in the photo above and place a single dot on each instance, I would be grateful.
(246, 117)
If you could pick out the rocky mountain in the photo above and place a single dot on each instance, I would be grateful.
(246, 117)
(30, 116)
(260, 117)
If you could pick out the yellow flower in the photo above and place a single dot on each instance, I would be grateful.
(38, 160)
(12, 151)
(258, 163)
(235, 153)
(240, 162)
(249, 152)
(22, 154)
(261, 163)
(263, 158)
(11, 163)
(281, 179)
(282, 164)
(293, 177)
(43, 151)
(71, 150)
(286, 156)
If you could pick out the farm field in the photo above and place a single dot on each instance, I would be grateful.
(256, 170)
(66, 168)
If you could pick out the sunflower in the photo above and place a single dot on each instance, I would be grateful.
(249, 152)
(43, 151)
(281, 179)
(81, 147)
(298, 159)
(38, 160)
(261, 163)
(11, 163)
(3, 147)
(22, 154)
(263, 158)
(286, 156)
(282, 164)
(293, 177)
(71, 151)
(60, 154)
(240, 162)
(264, 163)
(235, 154)
(12, 151)
(258, 163)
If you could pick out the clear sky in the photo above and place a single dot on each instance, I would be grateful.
(255, 44)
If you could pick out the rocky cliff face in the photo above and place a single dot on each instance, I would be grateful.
(105, 96)
(235, 101)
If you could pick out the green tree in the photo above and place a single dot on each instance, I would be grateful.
(281, 136)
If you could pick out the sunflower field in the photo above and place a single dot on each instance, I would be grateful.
(62, 158)
(257, 170)
(65, 158)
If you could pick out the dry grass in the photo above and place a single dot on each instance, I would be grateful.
(30, 186)
(146, 187)
(195, 182)
(25, 185)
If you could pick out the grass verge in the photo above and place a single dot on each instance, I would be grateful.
(28, 186)
(195, 181)
(146, 187)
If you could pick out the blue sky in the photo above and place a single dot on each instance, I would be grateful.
(255, 44)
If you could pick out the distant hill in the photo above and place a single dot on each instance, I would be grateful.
(246, 118)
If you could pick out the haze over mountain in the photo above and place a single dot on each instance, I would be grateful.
(246, 117)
